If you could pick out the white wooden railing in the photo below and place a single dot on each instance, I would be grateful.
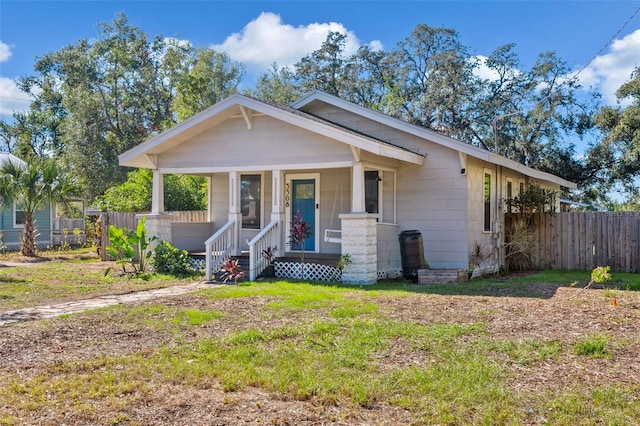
(268, 237)
(219, 247)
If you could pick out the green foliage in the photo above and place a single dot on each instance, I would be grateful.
(134, 195)
(130, 247)
(169, 259)
(103, 95)
(614, 162)
(277, 85)
(208, 78)
(345, 259)
(534, 199)
(181, 192)
(594, 346)
(601, 274)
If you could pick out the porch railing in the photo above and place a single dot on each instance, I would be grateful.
(219, 247)
(268, 237)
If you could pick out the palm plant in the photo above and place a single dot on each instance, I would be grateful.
(32, 186)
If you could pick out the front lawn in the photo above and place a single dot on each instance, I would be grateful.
(31, 282)
(531, 349)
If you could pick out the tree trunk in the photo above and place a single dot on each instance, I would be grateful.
(28, 245)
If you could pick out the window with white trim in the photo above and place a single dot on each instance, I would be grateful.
(18, 217)
(486, 197)
(251, 201)
(372, 191)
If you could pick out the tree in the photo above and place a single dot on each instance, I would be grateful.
(181, 192)
(616, 160)
(208, 78)
(435, 78)
(97, 98)
(277, 85)
(32, 186)
(326, 68)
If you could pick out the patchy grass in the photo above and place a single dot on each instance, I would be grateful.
(32, 284)
(304, 353)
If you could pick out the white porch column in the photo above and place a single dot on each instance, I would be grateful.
(157, 193)
(357, 200)
(210, 198)
(158, 223)
(360, 241)
(277, 208)
(235, 209)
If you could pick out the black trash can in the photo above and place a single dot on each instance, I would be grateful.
(411, 254)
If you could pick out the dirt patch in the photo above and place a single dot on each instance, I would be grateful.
(565, 315)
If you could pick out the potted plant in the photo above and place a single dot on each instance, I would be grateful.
(269, 254)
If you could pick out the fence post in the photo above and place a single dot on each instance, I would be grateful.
(104, 235)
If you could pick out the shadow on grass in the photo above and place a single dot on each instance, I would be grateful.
(533, 284)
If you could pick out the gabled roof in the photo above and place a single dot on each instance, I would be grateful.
(433, 136)
(144, 154)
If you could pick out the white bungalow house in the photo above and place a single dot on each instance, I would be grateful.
(358, 177)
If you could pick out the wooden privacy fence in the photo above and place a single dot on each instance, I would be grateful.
(585, 240)
(129, 220)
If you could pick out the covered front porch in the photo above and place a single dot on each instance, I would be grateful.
(264, 164)
(351, 211)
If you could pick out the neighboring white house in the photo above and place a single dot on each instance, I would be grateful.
(358, 176)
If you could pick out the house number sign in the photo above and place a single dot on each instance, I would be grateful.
(286, 195)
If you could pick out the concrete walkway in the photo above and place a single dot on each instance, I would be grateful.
(55, 310)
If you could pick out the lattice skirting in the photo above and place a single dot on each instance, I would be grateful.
(308, 271)
(390, 274)
(198, 264)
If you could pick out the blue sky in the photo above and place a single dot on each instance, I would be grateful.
(258, 33)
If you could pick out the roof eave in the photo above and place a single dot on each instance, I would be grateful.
(431, 135)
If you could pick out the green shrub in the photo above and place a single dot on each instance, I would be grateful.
(168, 259)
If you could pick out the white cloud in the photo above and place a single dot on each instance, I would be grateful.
(11, 98)
(5, 52)
(267, 39)
(483, 71)
(609, 71)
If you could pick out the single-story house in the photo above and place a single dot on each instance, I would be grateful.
(12, 220)
(358, 177)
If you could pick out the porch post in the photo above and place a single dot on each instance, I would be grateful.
(277, 208)
(158, 223)
(210, 198)
(359, 235)
(357, 200)
(157, 193)
(235, 211)
(360, 242)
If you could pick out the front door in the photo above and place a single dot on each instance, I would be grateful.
(303, 200)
